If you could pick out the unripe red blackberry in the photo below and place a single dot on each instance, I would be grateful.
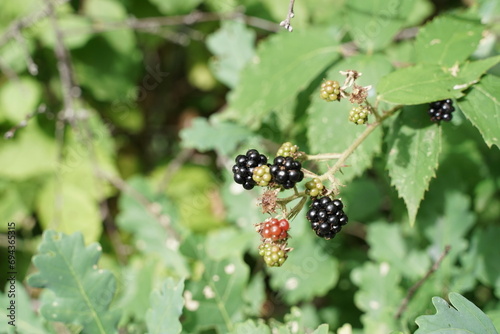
(330, 91)
(326, 216)
(244, 167)
(274, 229)
(359, 115)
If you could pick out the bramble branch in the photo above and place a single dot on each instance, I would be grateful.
(416, 286)
(286, 22)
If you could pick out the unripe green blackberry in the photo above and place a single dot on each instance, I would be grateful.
(359, 114)
(314, 187)
(287, 150)
(274, 254)
(330, 91)
(262, 175)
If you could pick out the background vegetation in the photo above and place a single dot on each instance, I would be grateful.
(121, 121)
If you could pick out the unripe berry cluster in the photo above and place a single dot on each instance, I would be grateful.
(326, 217)
(314, 187)
(244, 167)
(441, 110)
(274, 254)
(287, 150)
(330, 91)
(359, 114)
(262, 175)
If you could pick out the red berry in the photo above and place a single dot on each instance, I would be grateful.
(284, 225)
(266, 233)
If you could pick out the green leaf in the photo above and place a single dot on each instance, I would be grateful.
(373, 24)
(64, 207)
(251, 326)
(472, 71)
(460, 316)
(322, 329)
(169, 8)
(19, 98)
(82, 291)
(209, 135)
(378, 296)
(284, 65)
(482, 107)
(418, 84)
(414, 145)
(215, 300)
(233, 47)
(329, 129)
(308, 272)
(481, 256)
(166, 308)
(447, 40)
(27, 160)
(25, 319)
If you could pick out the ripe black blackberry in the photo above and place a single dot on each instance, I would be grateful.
(441, 110)
(286, 171)
(326, 217)
(245, 164)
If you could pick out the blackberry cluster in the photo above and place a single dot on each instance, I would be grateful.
(314, 187)
(359, 115)
(245, 164)
(286, 171)
(287, 150)
(274, 229)
(274, 255)
(326, 217)
(441, 110)
(330, 91)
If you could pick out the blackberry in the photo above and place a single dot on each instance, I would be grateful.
(314, 187)
(441, 110)
(244, 167)
(326, 217)
(261, 175)
(286, 171)
(274, 254)
(287, 150)
(274, 229)
(359, 115)
(330, 91)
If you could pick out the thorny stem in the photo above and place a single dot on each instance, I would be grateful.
(323, 156)
(369, 129)
(286, 22)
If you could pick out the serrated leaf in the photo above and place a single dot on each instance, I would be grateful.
(378, 295)
(308, 272)
(166, 308)
(329, 129)
(418, 84)
(461, 316)
(213, 135)
(233, 46)
(447, 40)
(82, 292)
(251, 327)
(472, 71)
(284, 65)
(374, 23)
(414, 145)
(482, 107)
(25, 319)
